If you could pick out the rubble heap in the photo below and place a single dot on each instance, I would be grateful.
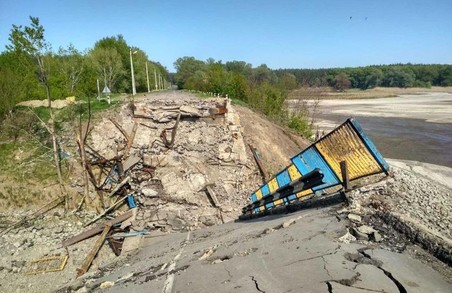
(186, 165)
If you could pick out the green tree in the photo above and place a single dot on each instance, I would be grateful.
(342, 82)
(30, 40)
(186, 67)
(108, 65)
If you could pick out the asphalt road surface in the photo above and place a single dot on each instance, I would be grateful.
(298, 252)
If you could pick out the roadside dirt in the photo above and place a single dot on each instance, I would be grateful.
(275, 144)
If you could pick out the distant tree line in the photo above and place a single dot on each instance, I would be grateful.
(71, 72)
(397, 75)
(260, 87)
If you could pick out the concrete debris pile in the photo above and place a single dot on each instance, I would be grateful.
(418, 208)
(412, 196)
(182, 159)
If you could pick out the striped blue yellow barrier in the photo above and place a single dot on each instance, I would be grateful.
(348, 142)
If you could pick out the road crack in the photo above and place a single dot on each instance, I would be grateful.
(387, 273)
(256, 284)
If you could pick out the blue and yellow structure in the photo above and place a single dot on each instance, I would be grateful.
(348, 143)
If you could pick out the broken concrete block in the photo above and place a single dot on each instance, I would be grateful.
(366, 229)
(377, 237)
(192, 111)
(347, 238)
(107, 284)
(130, 162)
(197, 181)
(354, 218)
(359, 235)
(149, 192)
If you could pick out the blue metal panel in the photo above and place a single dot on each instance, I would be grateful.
(370, 145)
(257, 210)
(292, 197)
(269, 205)
(253, 197)
(283, 178)
(311, 159)
(265, 190)
(300, 164)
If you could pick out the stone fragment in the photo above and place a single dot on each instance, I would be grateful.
(377, 237)
(366, 229)
(359, 235)
(354, 218)
(347, 238)
(190, 110)
(149, 192)
(107, 284)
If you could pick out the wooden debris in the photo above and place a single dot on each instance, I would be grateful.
(259, 163)
(212, 196)
(96, 230)
(114, 206)
(130, 139)
(345, 176)
(46, 265)
(118, 187)
(92, 254)
(173, 129)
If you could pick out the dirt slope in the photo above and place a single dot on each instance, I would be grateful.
(275, 144)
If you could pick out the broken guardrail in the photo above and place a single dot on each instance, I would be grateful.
(347, 145)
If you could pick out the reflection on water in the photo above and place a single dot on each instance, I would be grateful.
(407, 139)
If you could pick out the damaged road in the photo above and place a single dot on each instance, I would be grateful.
(299, 252)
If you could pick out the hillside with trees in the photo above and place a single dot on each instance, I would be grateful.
(397, 75)
(69, 71)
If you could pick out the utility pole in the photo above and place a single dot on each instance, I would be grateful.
(134, 91)
(147, 76)
(98, 90)
(155, 78)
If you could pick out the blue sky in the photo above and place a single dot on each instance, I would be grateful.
(279, 33)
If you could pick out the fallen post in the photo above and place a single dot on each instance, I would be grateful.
(259, 163)
(116, 204)
(92, 254)
(96, 230)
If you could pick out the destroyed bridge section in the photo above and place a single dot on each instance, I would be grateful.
(346, 153)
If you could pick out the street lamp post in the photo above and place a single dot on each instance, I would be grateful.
(134, 91)
(147, 77)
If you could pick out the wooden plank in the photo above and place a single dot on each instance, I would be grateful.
(114, 206)
(345, 175)
(213, 196)
(92, 254)
(96, 230)
(259, 164)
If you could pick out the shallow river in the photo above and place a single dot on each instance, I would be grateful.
(414, 127)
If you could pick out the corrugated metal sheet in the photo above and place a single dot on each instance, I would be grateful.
(347, 142)
(344, 144)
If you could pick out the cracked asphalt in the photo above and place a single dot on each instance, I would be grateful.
(297, 252)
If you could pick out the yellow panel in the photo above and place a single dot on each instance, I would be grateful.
(293, 172)
(258, 194)
(273, 185)
(304, 193)
(278, 202)
(262, 208)
(344, 144)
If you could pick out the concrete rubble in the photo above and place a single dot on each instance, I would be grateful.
(208, 151)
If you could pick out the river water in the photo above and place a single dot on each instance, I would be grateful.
(414, 127)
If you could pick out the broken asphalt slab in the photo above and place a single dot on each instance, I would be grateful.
(264, 255)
